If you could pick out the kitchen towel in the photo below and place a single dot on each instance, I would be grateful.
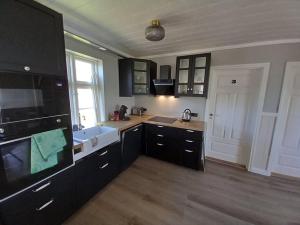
(44, 149)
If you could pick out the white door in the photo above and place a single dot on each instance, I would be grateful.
(233, 102)
(286, 142)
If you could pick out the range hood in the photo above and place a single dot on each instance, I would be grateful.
(165, 85)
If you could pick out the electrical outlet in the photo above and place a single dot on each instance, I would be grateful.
(194, 114)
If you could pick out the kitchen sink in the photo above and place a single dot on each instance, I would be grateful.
(94, 138)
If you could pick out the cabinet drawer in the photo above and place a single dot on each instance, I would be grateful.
(191, 158)
(190, 134)
(158, 130)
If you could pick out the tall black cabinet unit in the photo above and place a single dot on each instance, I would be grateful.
(192, 75)
(32, 38)
(136, 77)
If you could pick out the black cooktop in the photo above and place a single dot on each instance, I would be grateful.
(163, 119)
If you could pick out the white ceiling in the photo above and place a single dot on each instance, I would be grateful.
(189, 24)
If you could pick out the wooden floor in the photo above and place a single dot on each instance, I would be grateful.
(152, 192)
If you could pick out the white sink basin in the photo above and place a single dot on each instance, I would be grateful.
(94, 138)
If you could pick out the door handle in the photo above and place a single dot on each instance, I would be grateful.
(42, 187)
(45, 205)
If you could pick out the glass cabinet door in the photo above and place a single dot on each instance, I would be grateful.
(183, 76)
(192, 75)
(140, 81)
(199, 72)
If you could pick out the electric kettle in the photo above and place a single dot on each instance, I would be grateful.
(186, 115)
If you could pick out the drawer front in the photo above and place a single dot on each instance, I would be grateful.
(157, 150)
(191, 159)
(158, 130)
(190, 134)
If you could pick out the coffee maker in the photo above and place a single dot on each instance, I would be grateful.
(123, 113)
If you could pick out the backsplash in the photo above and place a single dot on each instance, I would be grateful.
(171, 106)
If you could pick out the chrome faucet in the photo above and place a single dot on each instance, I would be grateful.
(77, 127)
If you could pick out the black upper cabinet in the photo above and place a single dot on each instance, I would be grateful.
(192, 75)
(32, 38)
(135, 77)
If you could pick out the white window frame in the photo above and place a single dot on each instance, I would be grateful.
(97, 85)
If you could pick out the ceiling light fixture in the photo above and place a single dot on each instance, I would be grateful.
(155, 32)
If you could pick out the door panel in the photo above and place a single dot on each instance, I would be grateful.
(232, 112)
(286, 144)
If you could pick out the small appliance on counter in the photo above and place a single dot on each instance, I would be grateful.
(138, 111)
(123, 113)
(186, 115)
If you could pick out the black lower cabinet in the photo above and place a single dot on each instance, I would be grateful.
(48, 203)
(132, 142)
(175, 145)
(95, 171)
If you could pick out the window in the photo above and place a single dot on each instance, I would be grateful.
(85, 80)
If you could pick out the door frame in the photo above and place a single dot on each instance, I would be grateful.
(261, 99)
(280, 117)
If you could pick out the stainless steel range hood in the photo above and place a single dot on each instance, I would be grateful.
(165, 85)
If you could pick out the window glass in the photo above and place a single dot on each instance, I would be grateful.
(85, 89)
(84, 71)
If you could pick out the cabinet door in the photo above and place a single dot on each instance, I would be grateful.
(200, 75)
(32, 38)
(132, 143)
(192, 75)
(140, 75)
(183, 76)
(49, 203)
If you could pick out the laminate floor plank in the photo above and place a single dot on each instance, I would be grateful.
(152, 192)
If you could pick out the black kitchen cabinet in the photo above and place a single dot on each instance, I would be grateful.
(162, 143)
(32, 38)
(132, 142)
(136, 77)
(95, 171)
(48, 203)
(175, 145)
(192, 75)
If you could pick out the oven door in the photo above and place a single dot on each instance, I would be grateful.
(25, 96)
(15, 164)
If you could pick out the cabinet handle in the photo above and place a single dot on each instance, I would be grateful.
(159, 144)
(2, 130)
(137, 129)
(105, 165)
(160, 126)
(189, 151)
(103, 153)
(191, 131)
(189, 141)
(160, 135)
(42, 187)
(58, 120)
(45, 205)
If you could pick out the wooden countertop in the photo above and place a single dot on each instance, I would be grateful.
(136, 120)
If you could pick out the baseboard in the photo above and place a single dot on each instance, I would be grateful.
(279, 175)
(236, 165)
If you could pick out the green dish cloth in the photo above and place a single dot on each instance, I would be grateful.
(44, 149)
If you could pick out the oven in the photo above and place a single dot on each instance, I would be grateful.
(30, 104)
(26, 96)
